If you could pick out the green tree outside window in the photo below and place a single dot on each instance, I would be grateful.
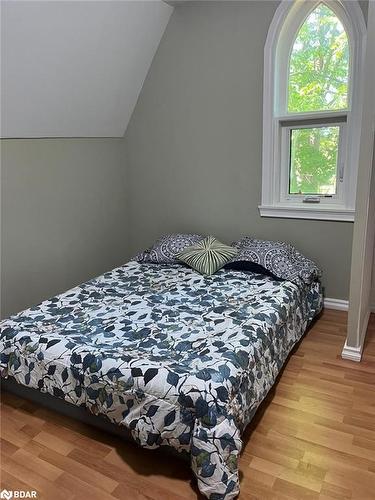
(318, 81)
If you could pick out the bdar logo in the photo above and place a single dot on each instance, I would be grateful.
(6, 495)
(16, 494)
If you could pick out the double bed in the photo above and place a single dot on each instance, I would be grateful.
(175, 357)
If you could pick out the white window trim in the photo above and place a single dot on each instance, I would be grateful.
(285, 24)
(284, 168)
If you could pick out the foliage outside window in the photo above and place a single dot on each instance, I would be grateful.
(319, 64)
(313, 160)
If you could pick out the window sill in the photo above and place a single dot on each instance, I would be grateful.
(310, 212)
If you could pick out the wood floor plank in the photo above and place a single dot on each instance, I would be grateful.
(35, 481)
(7, 448)
(54, 442)
(80, 489)
(313, 438)
(82, 471)
(125, 475)
(45, 468)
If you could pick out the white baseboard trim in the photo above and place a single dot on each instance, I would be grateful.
(352, 353)
(338, 304)
(355, 353)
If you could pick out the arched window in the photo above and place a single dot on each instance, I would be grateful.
(312, 110)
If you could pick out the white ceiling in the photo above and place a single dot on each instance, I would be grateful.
(75, 68)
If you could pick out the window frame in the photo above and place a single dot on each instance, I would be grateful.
(285, 156)
(288, 18)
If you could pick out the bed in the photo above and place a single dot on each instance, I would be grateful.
(177, 358)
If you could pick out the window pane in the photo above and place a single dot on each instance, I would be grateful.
(319, 64)
(313, 160)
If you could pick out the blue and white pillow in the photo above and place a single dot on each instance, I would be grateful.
(166, 248)
(279, 259)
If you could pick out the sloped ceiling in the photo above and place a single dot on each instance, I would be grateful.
(75, 68)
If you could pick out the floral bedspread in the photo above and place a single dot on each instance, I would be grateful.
(178, 358)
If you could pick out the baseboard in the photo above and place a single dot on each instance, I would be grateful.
(352, 353)
(338, 304)
(355, 353)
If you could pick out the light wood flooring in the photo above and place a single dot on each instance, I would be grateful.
(314, 437)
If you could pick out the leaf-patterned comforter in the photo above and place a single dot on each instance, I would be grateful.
(178, 358)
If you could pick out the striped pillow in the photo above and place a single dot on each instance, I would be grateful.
(207, 256)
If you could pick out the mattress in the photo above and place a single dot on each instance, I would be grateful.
(178, 358)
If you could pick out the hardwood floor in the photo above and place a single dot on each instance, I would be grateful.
(314, 437)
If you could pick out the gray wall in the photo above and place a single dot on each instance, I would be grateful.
(63, 215)
(193, 146)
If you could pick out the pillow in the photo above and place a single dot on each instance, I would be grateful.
(166, 248)
(142, 256)
(207, 256)
(240, 263)
(279, 258)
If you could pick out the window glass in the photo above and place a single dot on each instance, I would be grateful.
(313, 160)
(319, 64)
